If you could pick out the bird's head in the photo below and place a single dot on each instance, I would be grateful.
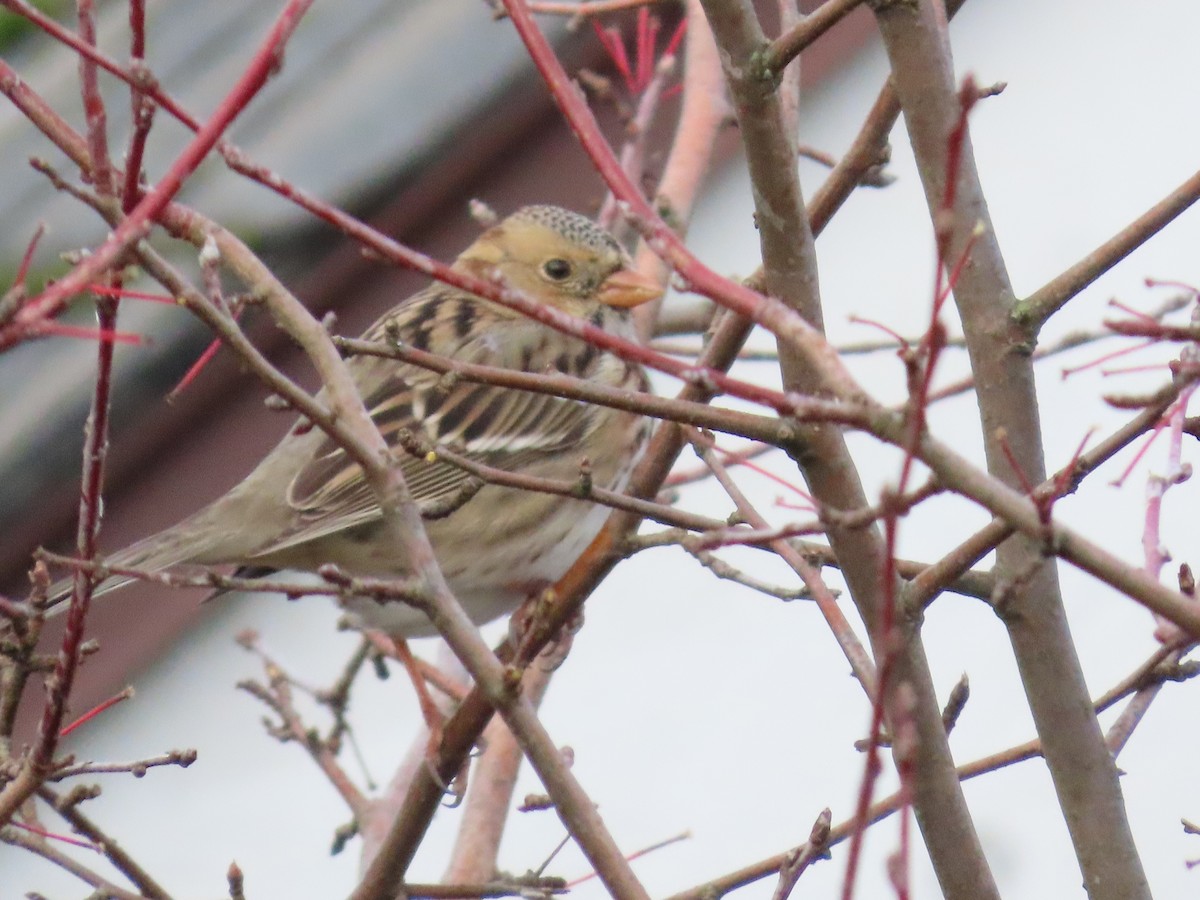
(560, 258)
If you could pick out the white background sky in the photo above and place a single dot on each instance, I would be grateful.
(691, 704)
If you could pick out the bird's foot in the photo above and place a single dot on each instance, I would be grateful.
(532, 619)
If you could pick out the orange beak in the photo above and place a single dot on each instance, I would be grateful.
(627, 288)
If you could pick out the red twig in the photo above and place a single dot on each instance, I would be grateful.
(141, 107)
(126, 294)
(900, 339)
(768, 311)
(264, 63)
(676, 39)
(41, 309)
(1015, 465)
(198, 366)
(93, 104)
(27, 258)
(610, 39)
(94, 452)
(647, 32)
(922, 366)
(96, 710)
(95, 449)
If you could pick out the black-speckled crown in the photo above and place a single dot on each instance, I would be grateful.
(576, 228)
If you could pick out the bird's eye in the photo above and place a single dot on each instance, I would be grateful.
(557, 269)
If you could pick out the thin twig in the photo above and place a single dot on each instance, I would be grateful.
(789, 45)
(109, 846)
(856, 655)
(1036, 309)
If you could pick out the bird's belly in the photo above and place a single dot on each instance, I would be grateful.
(490, 569)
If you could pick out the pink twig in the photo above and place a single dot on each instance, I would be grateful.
(1067, 372)
(1142, 450)
(54, 836)
(1154, 552)
(101, 335)
(734, 458)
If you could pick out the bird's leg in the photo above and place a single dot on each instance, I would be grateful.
(529, 620)
(554, 654)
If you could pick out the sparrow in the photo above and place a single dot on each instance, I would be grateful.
(307, 503)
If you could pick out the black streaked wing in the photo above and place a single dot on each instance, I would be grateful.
(498, 427)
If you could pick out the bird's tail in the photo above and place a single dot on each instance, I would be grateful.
(173, 547)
